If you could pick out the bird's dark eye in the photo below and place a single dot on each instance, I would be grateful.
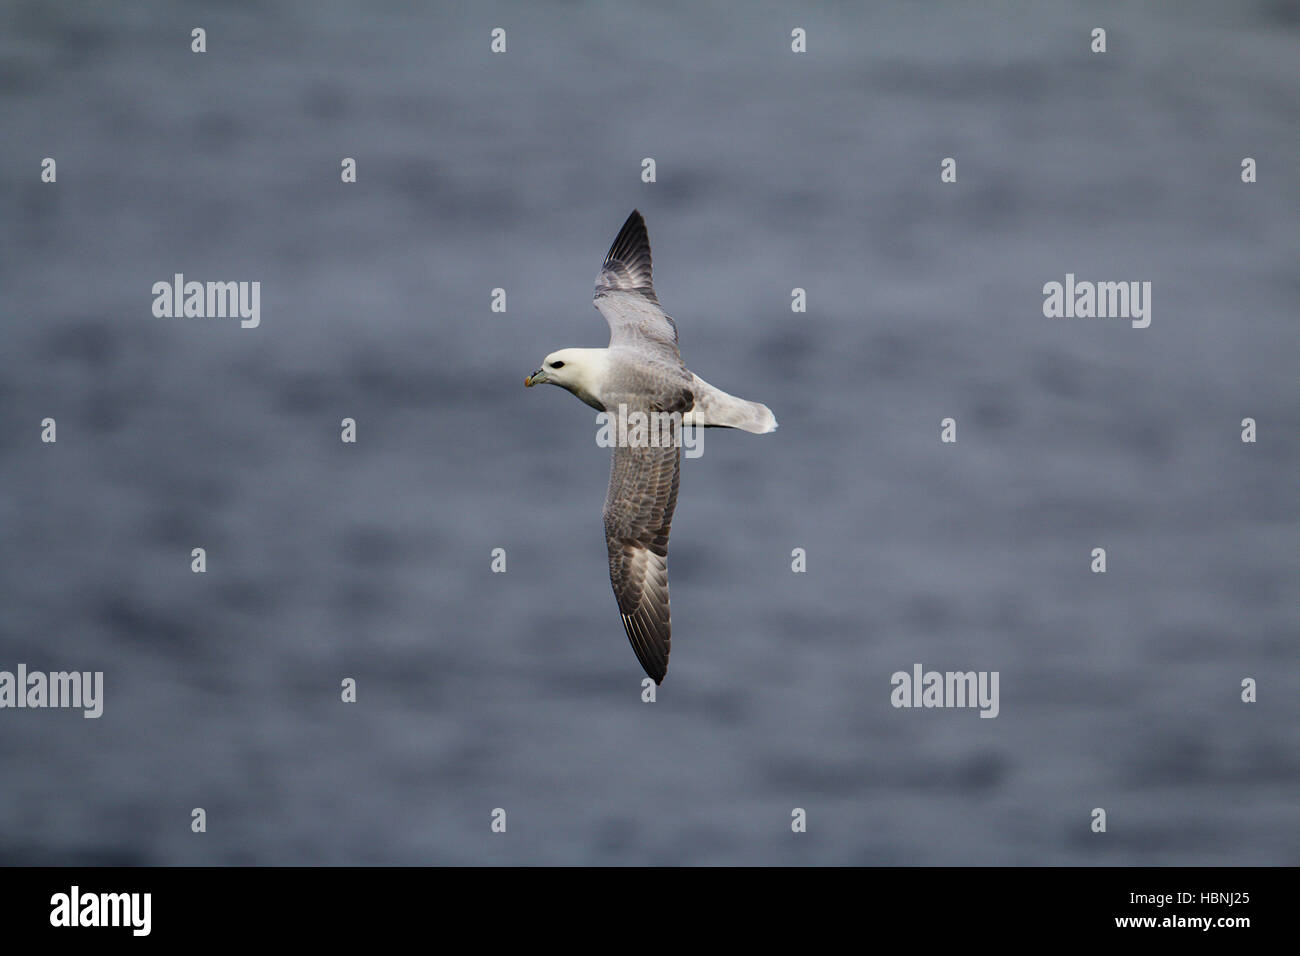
(557, 365)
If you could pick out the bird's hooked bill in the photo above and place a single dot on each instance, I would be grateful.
(537, 378)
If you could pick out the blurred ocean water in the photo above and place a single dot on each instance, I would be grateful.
(518, 690)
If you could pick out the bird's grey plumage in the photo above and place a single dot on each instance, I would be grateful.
(625, 295)
(628, 266)
(639, 507)
(643, 482)
(642, 371)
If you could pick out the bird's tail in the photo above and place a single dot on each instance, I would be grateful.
(715, 408)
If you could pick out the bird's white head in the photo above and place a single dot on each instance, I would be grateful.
(580, 371)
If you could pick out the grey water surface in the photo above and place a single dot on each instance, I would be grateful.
(775, 170)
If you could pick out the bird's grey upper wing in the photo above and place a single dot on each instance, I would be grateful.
(625, 294)
(638, 515)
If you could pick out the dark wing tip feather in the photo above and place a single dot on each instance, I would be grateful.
(649, 642)
(628, 266)
(643, 602)
(631, 242)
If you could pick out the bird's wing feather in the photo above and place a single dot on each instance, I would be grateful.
(625, 293)
(638, 515)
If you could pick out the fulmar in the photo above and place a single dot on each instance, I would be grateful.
(642, 370)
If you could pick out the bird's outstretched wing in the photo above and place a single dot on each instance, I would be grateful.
(638, 515)
(625, 294)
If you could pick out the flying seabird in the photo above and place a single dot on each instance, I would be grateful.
(643, 370)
